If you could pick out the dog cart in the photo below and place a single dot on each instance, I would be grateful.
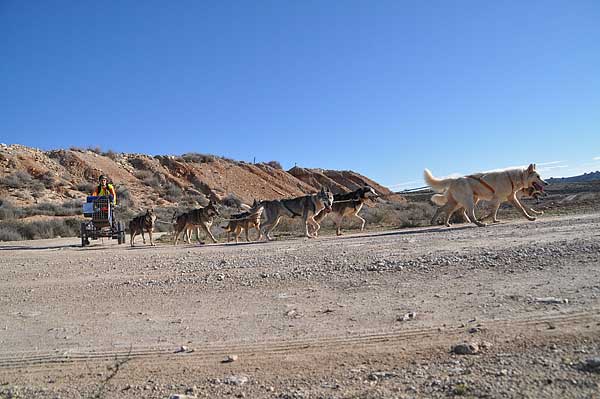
(102, 223)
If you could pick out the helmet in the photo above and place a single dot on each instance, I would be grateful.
(101, 177)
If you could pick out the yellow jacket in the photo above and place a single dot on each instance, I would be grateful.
(110, 190)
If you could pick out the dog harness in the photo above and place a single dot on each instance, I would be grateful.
(480, 180)
(512, 184)
(294, 214)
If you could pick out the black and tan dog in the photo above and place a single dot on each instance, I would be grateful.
(347, 204)
(201, 217)
(142, 223)
(305, 207)
(245, 221)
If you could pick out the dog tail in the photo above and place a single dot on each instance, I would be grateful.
(437, 184)
(439, 199)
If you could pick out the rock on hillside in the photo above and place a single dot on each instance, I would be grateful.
(29, 175)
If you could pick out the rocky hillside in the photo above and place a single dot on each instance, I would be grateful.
(586, 177)
(32, 176)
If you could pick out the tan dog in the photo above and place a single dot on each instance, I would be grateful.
(306, 207)
(142, 223)
(245, 221)
(526, 192)
(202, 217)
(496, 187)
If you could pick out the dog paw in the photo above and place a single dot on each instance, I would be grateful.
(531, 218)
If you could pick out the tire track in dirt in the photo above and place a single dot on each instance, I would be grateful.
(421, 337)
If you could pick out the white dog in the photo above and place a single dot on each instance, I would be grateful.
(496, 187)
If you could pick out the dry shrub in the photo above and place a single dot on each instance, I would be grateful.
(194, 157)
(67, 208)
(151, 179)
(110, 154)
(49, 180)
(392, 214)
(18, 179)
(173, 193)
(8, 233)
(232, 201)
(143, 174)
(86, 187)
(96, 149)
(414, 214)
(17, 230)
(274, 164)
(8, 211)
(124, 198)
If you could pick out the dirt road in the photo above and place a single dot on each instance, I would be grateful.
(365, 315)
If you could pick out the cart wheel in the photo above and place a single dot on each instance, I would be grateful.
(84, 238)
(121, 233)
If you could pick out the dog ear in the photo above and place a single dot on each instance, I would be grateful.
(531, 168)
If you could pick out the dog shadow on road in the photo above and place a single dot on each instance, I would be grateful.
(38, 248)
(432, 229)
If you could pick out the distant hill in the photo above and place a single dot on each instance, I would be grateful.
(586, 177)
(32, 176)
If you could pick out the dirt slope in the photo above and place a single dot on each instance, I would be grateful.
(29, 175)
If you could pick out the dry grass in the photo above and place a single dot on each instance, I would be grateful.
(15, 230)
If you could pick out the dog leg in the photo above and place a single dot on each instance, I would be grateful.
(513, 199)
(150, 234)
(465, 216)
(207, 230)
(362, 221)
(449, 212)
(257, 227)
(306, 223)
(143, 238)
(436, 215)
(447, 209)
(316, 226)
(493, 214)
(247, 231)
(267, 229)
(338, 227)
(535, 212)
(238, 232)
(177, 232)
(131, 237)
(469, 206)
(310, 222)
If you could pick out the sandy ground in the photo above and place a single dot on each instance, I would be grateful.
(324, 318)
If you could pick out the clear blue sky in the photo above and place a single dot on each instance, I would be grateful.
(386, 88)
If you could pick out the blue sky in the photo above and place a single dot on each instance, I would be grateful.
(386, 88)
